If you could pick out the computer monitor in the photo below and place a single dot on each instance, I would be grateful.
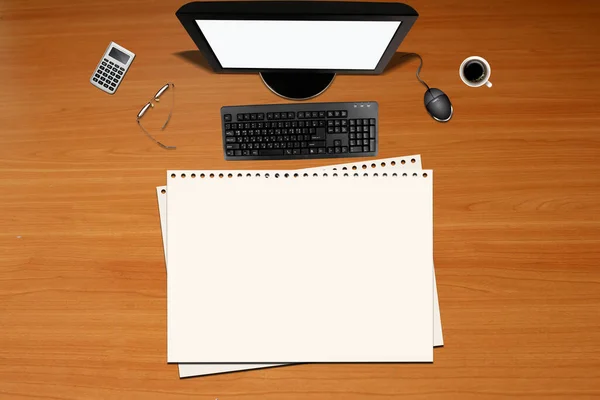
(297, 47)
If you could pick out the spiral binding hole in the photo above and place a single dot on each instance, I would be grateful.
(295, 175)
(193, 175)
(248, 175)
(405, 174)
(276, 175)
(415, 174)
(287, 175)
(365, 174)
(364, 166)
(239, 175)
(266, 175)
(212, 175)
(375, 174)
(305, 175)
(325, 175)
(345, 174)
(403, 162)
(258, 175)
(385, 175)
(335, 175)
(383, 164)
(230, 175)
(202, 176)
(173, 175)
(183, 175)
(163, 191)
(393, 163)
(344, 168)
(373, 165)
(355, 175)
(412, 160)
(394, 174)
(354, 168)
(220, 175)
(424, 174)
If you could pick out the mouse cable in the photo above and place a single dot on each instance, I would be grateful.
(418, 69)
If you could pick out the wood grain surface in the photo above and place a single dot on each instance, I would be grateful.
(517, 202)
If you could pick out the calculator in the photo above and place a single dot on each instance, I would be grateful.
(112, 68)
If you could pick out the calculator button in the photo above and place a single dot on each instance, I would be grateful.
(101, 67)
(103, 62)
(111, 63)
(122, 69)
(97, 75)
(105, 85)
(112, 74)
(95, 79)
(112, 88)
(119, 72)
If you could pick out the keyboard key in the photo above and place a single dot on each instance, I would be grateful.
(304, 152)
(336, 114)
(245, 152)
(321, 150)
(356, 149)
(321, 114)
(330, 150)
(320, 143)
(329, 114)
(366, 149)
(372, 145)
(337, 142)
(344, 149)
(269, 115)
(254, 152)
(273, 152)
(372, 132)
(344, 114)
(301, 115)
(229, 153)
(315, 114)
(253, 116)
(365, 121)
(359, 122)
(338, 150)
(260, 116)
(240, 117)
(276, 115)
(291, 115)
(338, 122)
(238, 152)
(312, 151)
(372, 121)
(296, 152)
(230, 140)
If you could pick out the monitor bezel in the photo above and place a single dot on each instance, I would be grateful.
(296, 11)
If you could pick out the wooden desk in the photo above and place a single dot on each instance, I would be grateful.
(517, 202)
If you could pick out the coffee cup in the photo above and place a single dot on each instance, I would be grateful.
(475, 72)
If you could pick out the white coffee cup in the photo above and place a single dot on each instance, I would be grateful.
(475, 72)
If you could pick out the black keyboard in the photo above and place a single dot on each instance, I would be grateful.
(292, 131)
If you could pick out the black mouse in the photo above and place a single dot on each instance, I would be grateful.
(438, 105)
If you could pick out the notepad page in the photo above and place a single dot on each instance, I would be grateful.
(328, 305)
(395, 163)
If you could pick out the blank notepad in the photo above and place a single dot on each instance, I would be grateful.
(387, 165)
(274, 269)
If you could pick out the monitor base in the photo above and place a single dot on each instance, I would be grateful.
(297, 85)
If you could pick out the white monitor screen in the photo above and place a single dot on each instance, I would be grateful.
(333, 45)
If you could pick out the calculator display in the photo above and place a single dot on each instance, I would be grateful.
(118, 55)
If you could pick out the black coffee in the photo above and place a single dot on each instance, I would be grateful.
(474, 71)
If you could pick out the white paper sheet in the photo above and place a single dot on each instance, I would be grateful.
(395, 163)
(303, 301)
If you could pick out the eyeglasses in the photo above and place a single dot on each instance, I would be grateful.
(149, 105)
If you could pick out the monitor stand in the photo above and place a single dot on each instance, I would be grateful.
(297, 85)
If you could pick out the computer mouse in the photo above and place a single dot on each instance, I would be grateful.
(438, 105)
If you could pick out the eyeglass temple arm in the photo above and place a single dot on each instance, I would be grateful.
(152, 137)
